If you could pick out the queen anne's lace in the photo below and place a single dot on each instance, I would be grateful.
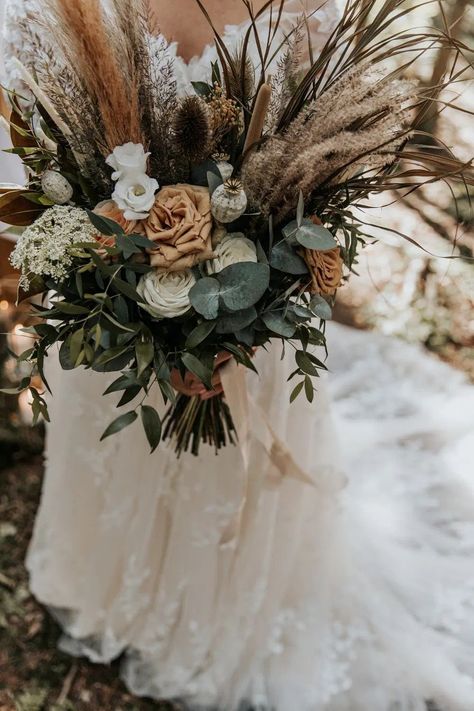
(44, 248)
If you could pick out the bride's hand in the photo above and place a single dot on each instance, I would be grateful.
(192, 386)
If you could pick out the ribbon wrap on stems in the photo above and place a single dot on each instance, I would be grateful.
(251, 423)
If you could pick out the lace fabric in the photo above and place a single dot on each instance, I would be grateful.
(352, 593)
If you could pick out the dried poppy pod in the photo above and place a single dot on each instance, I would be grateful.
(225, 168)
(56, 187)
(229, 201)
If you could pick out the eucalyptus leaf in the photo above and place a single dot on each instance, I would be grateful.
(320, 307)
(230, 323)
(204, 297)
(284, 259)
(276, 322)
(120, 327)
(79, 287)
(246, 336)
(315, 237)
(119, 424)
(214, 181)
(199, 172)
(289, 232)
(243, 284)
(298, 313)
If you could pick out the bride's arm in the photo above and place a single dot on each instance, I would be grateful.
(13, 43)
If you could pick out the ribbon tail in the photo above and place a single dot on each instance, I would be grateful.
(251, 423)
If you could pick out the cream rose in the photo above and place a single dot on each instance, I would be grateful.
(180, 224)
(127, 160)
(233, 249)
(166, 294)
(135, 195)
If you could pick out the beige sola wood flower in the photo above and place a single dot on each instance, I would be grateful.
(180, 223)
(325, 268)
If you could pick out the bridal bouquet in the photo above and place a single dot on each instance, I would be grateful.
(173, 233)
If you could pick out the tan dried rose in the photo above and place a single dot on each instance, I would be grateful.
(180, 223)
(110, 210)
(325, 268)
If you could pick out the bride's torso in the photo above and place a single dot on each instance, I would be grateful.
(174, 20)
(185, 30)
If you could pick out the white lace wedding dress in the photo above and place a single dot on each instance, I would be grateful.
(353, 591)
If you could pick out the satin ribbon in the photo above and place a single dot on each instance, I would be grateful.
(251, 424)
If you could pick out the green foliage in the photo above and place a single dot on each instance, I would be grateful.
(309, 235)
(152, 425)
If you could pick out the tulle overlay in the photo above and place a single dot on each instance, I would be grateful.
(353, 593)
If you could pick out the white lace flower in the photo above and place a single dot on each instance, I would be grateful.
(233, 249)
(44, 248)
(135, 196)
(129, 159)
(166, 294)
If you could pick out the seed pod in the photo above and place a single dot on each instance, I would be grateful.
(56, 187)
(225, 169)
(192, 129)
(229, 201)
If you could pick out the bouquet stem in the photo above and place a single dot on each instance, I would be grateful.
(191, 421)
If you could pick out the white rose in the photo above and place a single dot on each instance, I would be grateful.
(135, 196)
(129, 159)
(233, 249)
(166, 294)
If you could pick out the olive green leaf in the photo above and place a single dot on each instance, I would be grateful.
(119, 424)
(152, 425)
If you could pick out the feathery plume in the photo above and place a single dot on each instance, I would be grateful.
(86, 43)
(360, 122)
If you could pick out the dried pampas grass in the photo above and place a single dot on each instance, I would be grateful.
(82, 33)
(361, 121)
